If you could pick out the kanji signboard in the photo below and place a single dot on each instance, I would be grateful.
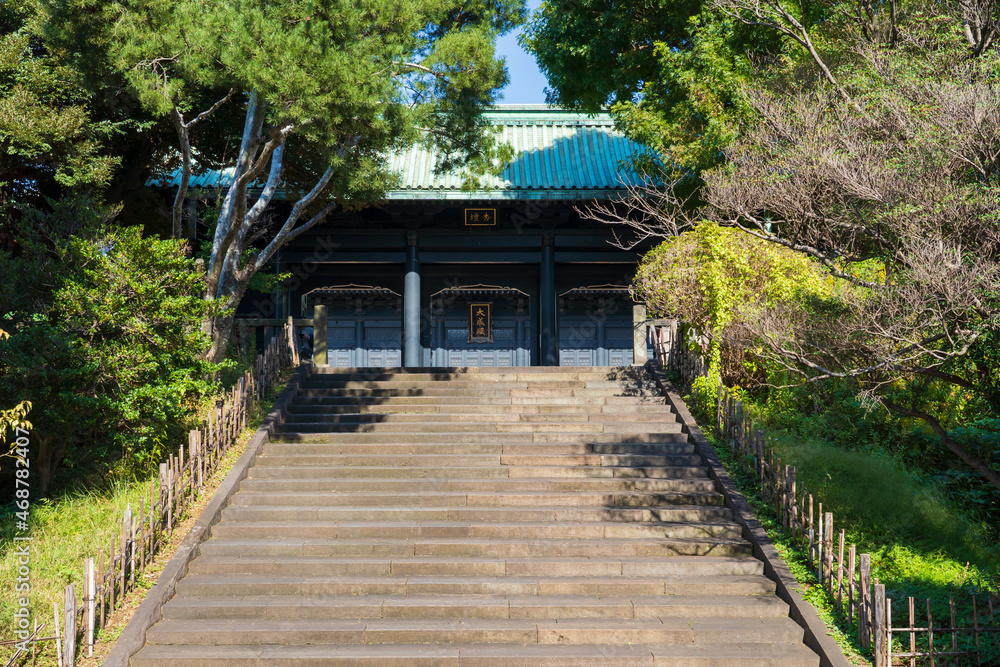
(480, 217)
(480, 322)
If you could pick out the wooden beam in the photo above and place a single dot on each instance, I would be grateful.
(255, 321)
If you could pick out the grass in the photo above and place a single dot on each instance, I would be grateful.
(70, 527)
(921, 544)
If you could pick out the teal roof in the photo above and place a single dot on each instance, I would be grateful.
(558, 155)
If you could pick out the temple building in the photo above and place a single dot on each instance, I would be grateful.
(510, 275)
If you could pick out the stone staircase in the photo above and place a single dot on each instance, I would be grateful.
(518, 516)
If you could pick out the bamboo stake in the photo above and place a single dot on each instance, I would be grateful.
(820, 537)
(840, 572)
(795, 505)
(954, 635)
(913, 635)
(55, 616)
(888, 632)
(89, 598)
(100, 576)
(930, 631)
(122, 549)
(69, 628)
(142, 536)
(850, 584)
(131, 549)
(993, 622)
(170, 497)
(975, 628)
(864, 611)
(112, 559)
(181, 496)
(828, 546)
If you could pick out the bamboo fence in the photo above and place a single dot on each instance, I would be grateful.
(844, 573)
(140, 534)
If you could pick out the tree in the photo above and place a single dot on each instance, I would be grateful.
(883, 167)
(105, 338)
(671, 71)
(325, 89)
(49, 143)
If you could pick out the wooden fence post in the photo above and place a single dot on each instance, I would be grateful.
(879, 625)
(828, 547)
(293, 350)
(55, 618)
(794, 509)
(100, 578)
(90, 591)
(864, 604)
(170, 496)
(851, 561)
(131, 548)
(123, 550)
(69, 627)
(840, 572)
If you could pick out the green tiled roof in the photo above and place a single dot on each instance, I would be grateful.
(558, 155)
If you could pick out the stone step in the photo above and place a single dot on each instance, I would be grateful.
(687, 521)
(278, 497)
(299, 433)
(743, 654)
(444, 419)
(486, 472)
(223, 544)
(535, 372)
(511, 516)
(543, 379)
(194, 585)
(458, 565)
(475, 460)
(451, 408)
(306, 483)
(488, 390)
(291, 607)
(457, 383)
(407, 428)
(578, 428)
(232, 632)
(498, 448)
(476, 399)
(523, 530)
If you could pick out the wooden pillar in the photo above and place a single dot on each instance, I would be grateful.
(548, 332)
(639, 334)
(319, 334)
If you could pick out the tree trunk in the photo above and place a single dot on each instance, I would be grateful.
(221, 329)
(47, 459)
(973, 462)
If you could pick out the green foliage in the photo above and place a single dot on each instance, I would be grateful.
(135, 305)
(922, 542)
(371, 75)
(49, 141)
(714, 277)
(104, 339)
(672, 72)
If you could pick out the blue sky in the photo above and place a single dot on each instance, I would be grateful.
(527, 84)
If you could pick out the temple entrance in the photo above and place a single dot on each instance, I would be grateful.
(595, 326)
(364, 328)
(480, 325)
